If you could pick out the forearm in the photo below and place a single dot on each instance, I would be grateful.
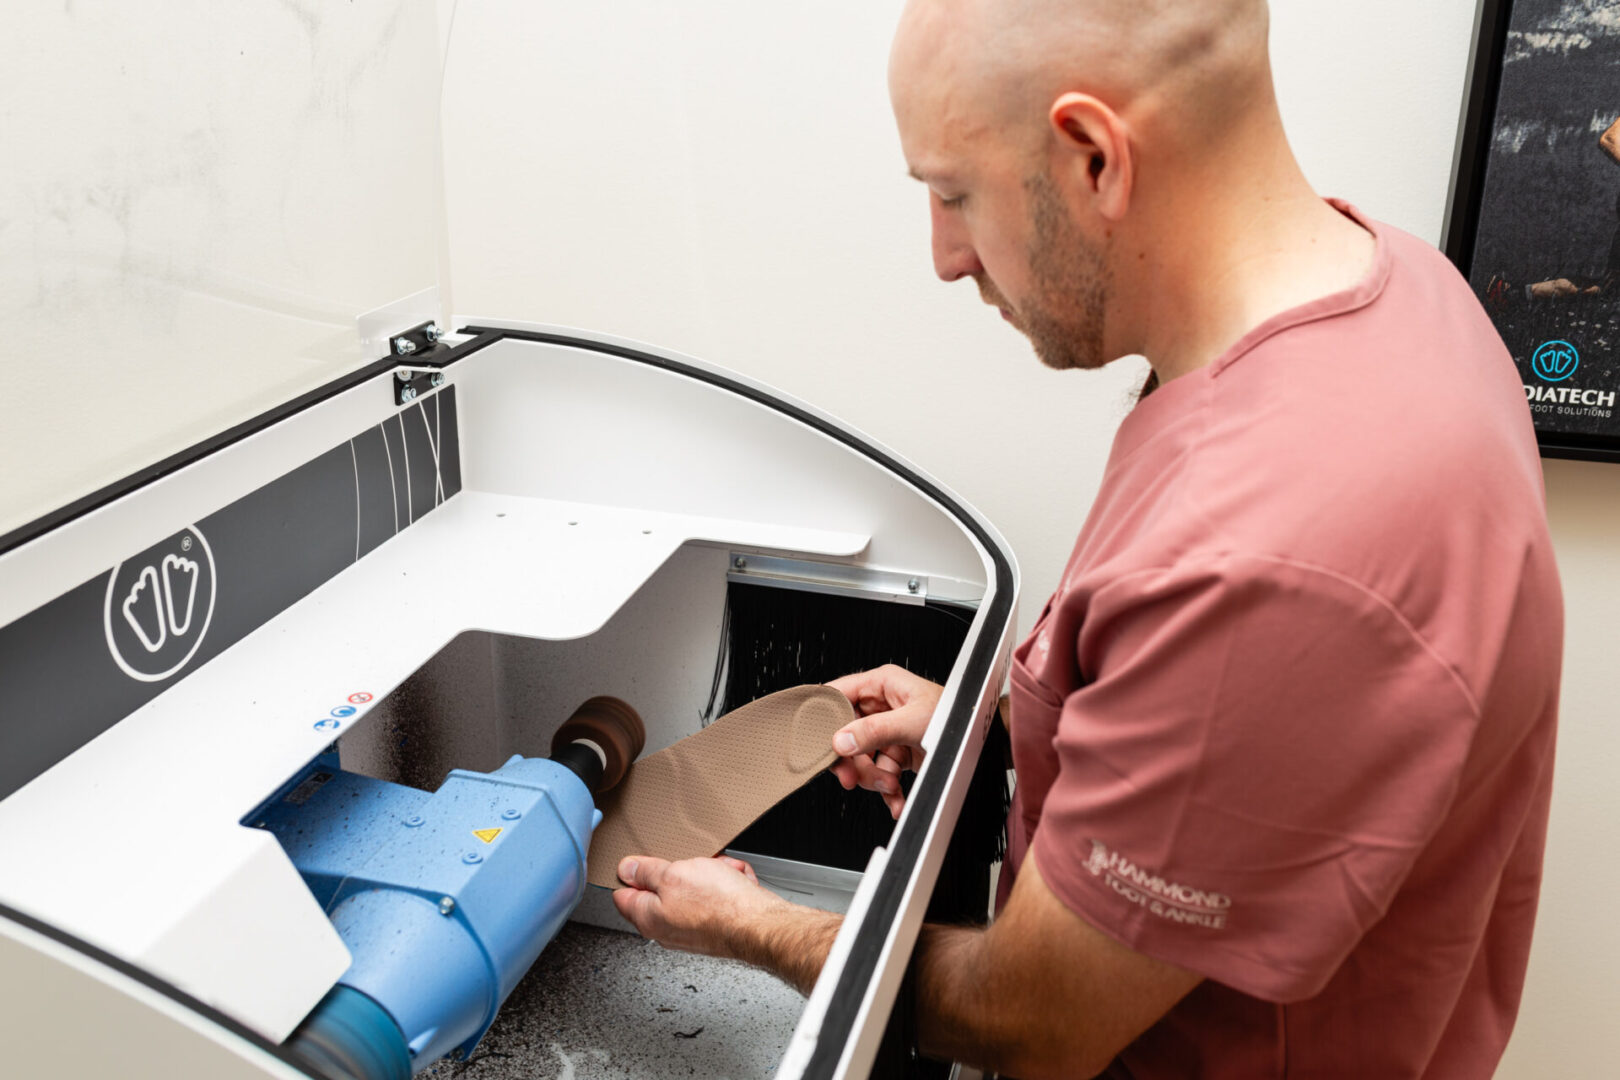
(973, 1010)
(949, 960)
(792, 943)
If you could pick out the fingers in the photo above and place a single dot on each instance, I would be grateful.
(881, 775)
(903, 726)
(639, 908)
(872, 685)
(884, 688)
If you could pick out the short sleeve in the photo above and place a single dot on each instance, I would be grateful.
(1260, 754)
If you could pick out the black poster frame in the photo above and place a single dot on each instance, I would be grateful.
(1493, 20)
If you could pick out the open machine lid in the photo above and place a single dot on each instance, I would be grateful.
(188, 240)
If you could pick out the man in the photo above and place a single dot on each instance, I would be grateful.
(1284, 733)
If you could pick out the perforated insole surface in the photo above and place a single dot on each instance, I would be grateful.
(693, 798)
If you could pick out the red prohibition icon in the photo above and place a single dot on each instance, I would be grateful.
(360, 698)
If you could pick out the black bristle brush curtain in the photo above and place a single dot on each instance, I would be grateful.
(778, 638)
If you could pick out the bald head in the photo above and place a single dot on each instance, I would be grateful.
(1185, 68)
(1113, 174)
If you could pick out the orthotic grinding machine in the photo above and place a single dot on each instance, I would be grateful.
(441, 919)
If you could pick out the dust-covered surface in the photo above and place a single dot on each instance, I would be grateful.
(1552, 203)
(602, 1004)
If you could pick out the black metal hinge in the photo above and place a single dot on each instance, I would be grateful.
(418, 345)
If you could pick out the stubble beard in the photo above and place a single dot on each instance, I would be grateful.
(1066, 312)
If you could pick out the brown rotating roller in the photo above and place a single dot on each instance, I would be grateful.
(613, 726)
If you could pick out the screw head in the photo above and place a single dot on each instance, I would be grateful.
(740, 563)
(913, 585)
(404, 375)
(431, 331)
(447, 905)
(510, 815)
(404, 346)
(415, 821)
(438, 378)
(408, 394)
(472, 858)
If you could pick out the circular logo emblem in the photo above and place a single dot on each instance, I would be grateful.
(359, 698)
(159, 605)
(344, 711)
(1555, 361)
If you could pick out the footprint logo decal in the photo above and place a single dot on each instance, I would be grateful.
(143, 610)
(159, 605)
(183, 581)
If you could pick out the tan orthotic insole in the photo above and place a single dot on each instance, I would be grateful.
(692, 799)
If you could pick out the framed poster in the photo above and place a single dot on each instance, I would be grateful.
(1534, 220)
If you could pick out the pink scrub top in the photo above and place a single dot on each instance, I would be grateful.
(1288, 721)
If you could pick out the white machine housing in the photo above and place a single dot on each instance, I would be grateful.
(606, 493)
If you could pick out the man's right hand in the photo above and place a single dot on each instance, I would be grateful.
(894, 708)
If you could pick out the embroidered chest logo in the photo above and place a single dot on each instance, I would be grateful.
(1167, 899)
(159, 605)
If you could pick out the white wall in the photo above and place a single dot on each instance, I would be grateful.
(722, 177)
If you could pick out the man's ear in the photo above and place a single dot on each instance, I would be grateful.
(1097, 146)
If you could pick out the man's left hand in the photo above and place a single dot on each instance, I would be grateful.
(695, 905)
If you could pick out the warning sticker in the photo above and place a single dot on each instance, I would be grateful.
(487, 835)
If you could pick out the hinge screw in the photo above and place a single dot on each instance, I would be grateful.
(408, 393)
(447, 905)
(438, 378)
(740, 563)
(431, 331)
(404, 346)
(405, 375)
(913, 585)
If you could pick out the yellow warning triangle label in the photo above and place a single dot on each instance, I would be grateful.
(487, 835)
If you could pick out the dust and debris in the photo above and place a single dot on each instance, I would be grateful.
(596, 1006)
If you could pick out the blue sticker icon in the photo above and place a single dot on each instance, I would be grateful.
(344, 711)
(327, 724)
(1555, 361)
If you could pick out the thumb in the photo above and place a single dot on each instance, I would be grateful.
(643, 872)
(900, 727)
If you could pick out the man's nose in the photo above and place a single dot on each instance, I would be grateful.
(954, 257)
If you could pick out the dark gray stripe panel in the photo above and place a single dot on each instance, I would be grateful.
(76, 666)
